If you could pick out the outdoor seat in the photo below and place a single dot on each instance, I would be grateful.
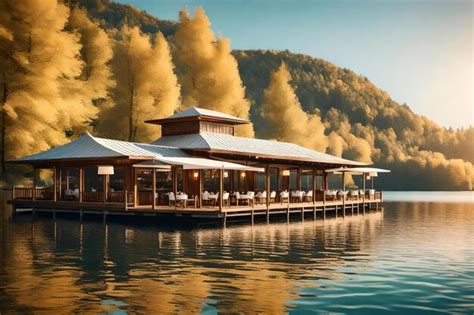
(309, 196)
(272, 196)
(262, 197)
(171, 199)
(225, 199)
(284, 196)
(205, 198)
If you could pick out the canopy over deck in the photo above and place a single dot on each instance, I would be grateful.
(358, 170)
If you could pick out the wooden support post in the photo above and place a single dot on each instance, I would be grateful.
(267, 186)
(201, 188)
(55, 185)
(224, 221)
(125, 199)
(314, 192)
(324, 202)
(81, 182)
(343, 194)
(33, 196)
(221, 189)
(104, 189)
(153, 188)
(363, 198)
(135, 187)
(298, 179)
(302, 214)
(104, 217)
(80, 215)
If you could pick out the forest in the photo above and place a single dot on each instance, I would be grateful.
(67, 67)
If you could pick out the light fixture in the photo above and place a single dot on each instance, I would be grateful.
(242, 174)
(196, 175)
(285, 173)
(226, 174)
(368, 177)
(373, 174)
(105, 170)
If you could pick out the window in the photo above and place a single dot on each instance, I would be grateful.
(93, 182)
(211, 180)
(274, 179)
(306, 180)
(293, 179)
(164, 181)
(117, 181)
(260, 181)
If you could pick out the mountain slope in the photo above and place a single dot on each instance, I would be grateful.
(361, 119)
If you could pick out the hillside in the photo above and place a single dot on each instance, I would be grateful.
(361, 121)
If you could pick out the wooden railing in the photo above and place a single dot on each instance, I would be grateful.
(20, 193)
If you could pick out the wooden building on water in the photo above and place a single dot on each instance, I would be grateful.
(198, 169)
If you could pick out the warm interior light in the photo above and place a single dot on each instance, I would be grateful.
(285, 173)
(368, 177)
(105, 170)
(242, 174)
(226, 174)
(196, 175)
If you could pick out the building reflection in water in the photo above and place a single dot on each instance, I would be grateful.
(68, 266)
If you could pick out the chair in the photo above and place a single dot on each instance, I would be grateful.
(172, 199)
(262, 197)
(205, 198)
(284, 196)
(309, 196)
(225, 199)
(272, 196)
(371, 194)
(354, 194)
(251, 196)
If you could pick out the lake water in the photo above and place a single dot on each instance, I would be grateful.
(414, 257)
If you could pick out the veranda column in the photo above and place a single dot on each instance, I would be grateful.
(135, 187)
(363, 188)
(81, 181)
(33, 196)
(153, 188)
(221, 187)
(201, 185)
(267, 184)
(343, 194)
(55, 184)
(313, 173)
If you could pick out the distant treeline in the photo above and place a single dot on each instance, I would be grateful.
(95, 65)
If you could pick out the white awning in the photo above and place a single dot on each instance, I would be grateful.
(153, 164)
(193, 163)
(357, 170)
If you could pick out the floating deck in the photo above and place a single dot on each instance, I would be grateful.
(258, 211)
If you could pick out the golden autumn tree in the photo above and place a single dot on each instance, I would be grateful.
(39, 63)
(286, 119)
(95, 81)
(208, 73)
(146, 87)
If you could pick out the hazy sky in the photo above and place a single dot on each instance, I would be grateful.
(419, 51)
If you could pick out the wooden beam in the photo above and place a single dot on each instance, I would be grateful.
(55, 185)
(34, 184)
(135, 187)
(153, 188)
(81, 181)
(221, 187)
(201, 185)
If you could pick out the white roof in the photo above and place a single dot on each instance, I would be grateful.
(196, 111)
(229, 143)
(88, 146)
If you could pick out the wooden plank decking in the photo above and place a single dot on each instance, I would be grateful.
(334, 208)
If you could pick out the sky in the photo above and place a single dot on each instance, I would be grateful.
(419, 51)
